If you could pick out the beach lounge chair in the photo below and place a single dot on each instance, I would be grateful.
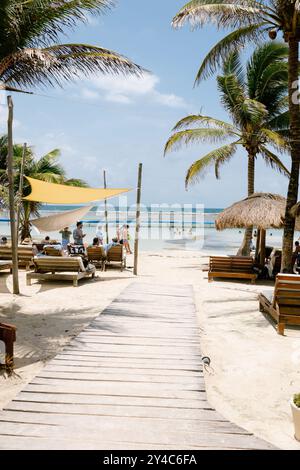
(96, 255)
(25, 255)
(8, 336)
(5, 265)
(116, 254)
(232, 267)
(284, 304)
(55, 268)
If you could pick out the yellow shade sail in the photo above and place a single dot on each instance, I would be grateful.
(52, 193)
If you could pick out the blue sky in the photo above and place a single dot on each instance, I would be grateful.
(112, 124)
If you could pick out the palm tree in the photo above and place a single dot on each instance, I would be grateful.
(30, 49)
(46, 168)
(255, 98)
(250, 20)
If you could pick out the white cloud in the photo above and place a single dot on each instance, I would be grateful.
(89, 94)
(131, 89)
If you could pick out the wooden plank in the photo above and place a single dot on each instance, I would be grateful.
(116, 362)
(48, 403)
(119, 377)
(40, 391)
(46, 423)
(125, 388)
(111, 372)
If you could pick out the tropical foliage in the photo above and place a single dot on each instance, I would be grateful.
(255, 98)
(250, 20)
(31, 52)
(47, 168)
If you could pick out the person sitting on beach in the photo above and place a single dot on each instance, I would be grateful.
(65, 237)
(3, 241)
(78, 234)
(273, 263)
(295, 252)
(99, 234)
(96, 242)
(296, 265)
(54, 246)
(107, 246)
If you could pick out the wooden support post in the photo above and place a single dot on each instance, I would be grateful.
(262, 247)
(138, 221)
(105, 209)
(160, 223)
(21, 183)
(12, 215)
(257, 246)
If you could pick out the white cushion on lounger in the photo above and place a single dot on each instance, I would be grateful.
(268, 294)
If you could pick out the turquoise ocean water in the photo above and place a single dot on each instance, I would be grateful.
(162, 227)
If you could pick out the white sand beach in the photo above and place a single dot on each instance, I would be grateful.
(253, 370)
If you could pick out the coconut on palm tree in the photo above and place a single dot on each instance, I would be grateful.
(46, 168)
(250, 20)
(31, 51)
(254, 95)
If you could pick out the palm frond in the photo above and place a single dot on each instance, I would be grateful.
(273, 161)
(191, 136)
(276, 140)
(233, 66)
(223, 13)
(234, 41)
(267, 72)
(76, 182)
(32, 22)
(195, 119)
(64, 62)
(280, 122)
(217, 158)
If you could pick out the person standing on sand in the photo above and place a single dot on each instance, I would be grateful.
(65, 237)
(78, 234)
(125, 238)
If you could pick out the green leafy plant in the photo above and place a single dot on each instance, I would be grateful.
(296, 399)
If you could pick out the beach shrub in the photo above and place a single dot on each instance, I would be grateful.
(297, 399)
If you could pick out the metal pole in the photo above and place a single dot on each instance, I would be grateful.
(21, 183)
(105, 209)
(12, 215)
(138, 221)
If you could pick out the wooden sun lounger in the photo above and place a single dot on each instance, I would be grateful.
(5, 265)
(8, 336)
(56, 268)
(25, 255)
(116, 254)
(232, 267)
(284, 306)
(97, 256)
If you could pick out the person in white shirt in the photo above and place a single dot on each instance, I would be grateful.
(99, 234)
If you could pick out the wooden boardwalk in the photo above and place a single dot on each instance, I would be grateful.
(131, 380)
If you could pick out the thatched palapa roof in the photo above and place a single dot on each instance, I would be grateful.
(261, 210)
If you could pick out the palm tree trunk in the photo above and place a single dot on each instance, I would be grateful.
(12, 214)
(244, 249)
(292, 195)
